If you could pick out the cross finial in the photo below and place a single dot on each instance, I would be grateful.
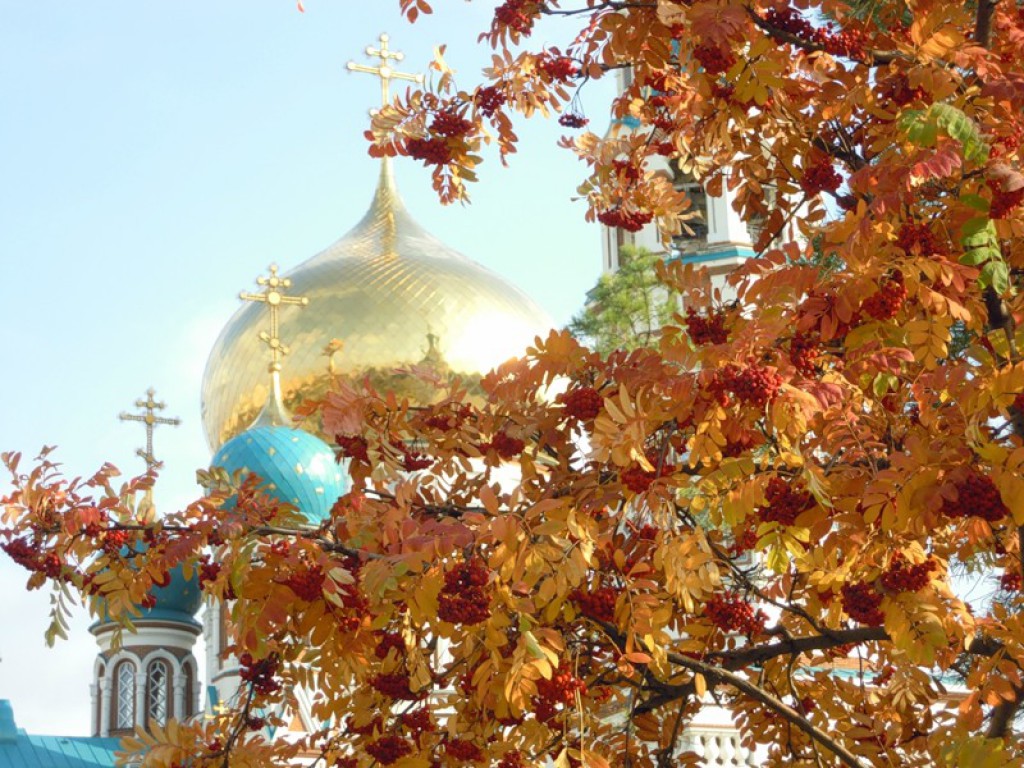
(384, 70)
(148, 417)
(274, 298)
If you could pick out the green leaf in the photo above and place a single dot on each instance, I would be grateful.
(997, 274)
(977, 202)
(919, 128)
(955, 124)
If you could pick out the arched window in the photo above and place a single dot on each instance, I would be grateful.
(157, 682)
(125, 682)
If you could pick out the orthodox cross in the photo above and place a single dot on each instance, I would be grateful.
(150, 419)
(384, 70)
(274, 298)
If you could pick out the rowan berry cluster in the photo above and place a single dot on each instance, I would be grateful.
(448, 122)
(1010, 581)
(307, 584)
(377, 724)
(637, 479)
(386, 641)
(751, 384)
(388, 749)
(346, 762)
(353, 447)
(432, 151)
(572, 120)
(597, 604)
(820, 176)
(463, 749)
(510, 14)
(463, 599)
(977, 496)
(559, 68)
(847, 43)
(919, 239)
(804, 351)
(24, 554)
(395, 685)
(562, 688)
(744, 540)
(506, 446)
(418, 721)
(581, 403)
(897, 90)
(1003, 202)
(489, 99)
(862, 603)
(730, 612)
(260, 673)
(902, 576)
(706, 330)
(114, 540)
(208, 571)
(254, 723)
(631, 221)
(784, 501)
(887, 301)
(714, 59)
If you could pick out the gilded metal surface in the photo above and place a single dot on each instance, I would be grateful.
(148, 417)
(395, 296)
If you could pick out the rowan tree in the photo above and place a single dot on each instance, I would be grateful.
(572, 576)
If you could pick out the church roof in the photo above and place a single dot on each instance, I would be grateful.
(19, 749)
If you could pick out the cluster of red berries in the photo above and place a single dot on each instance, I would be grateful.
(559, 68)
(463, 599)
(1004, 201)
(448, 122)
(785, 501)
(388, 749)
(581, 403)
(353, 447)
(637, 479)
(114, 540)
(506, 446)
(730, 612)
(631, 221)
(714, 59)
(901, 576)
(463, 749)
(307, 584)
(395, 685)
(862, 602)
(387, 641)
(418, 721)
(846, 43)
(489, 100)
(432, 151)
(820, 176)
(510, 14)
(744, 540)
(254, 723)
(751, 384)
(449, 418)
(346, 762)
(977, 496)
(1010, 581)
(260, 673)
(598, 604)
(413, 461)
(23, 553)
(706, 330)
(804, 351)
(887, 301)
(208, 571)
(562, 689)
(572, 120)
(919, 239)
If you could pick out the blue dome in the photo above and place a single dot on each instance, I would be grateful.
(296, 467)
(179, 601)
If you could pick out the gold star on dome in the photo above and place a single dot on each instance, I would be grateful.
(148, 417)
(273, 297)
(384, 70)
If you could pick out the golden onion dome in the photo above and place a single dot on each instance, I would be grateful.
(395, 297)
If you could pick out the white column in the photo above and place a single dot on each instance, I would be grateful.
(94, 700)
(179, 694)
(104, 729)
(140, 697)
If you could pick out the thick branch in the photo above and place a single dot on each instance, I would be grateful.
(983, 22)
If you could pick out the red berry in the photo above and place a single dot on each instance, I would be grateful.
(706, 330)
(784, 501)
(862, 603)
(977, 496)
(388, 749)
(730, 612)
(582, 403)
(489, 100)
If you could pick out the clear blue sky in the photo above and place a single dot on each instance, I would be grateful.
(154, 158)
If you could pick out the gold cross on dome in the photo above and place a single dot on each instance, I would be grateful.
(274, 298)
(150, 419)
(384, 70)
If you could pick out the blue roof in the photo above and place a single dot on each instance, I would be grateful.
(18, 749)
(296, 467)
